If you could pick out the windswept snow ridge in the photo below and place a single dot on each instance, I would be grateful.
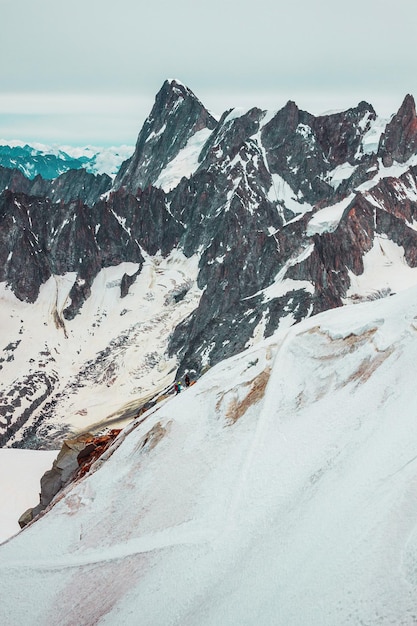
(277, 490)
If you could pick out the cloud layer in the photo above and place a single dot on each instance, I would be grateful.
(86, 53)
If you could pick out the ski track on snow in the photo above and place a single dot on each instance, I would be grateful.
(185, 534)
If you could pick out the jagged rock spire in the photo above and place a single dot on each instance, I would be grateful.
(399, 142)
(175, 117)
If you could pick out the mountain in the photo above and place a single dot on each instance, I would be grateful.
(279, 489)
(177, 119)
(52, 173)
(32, 162)
(214, 234)
(50, 162)
(72, 185)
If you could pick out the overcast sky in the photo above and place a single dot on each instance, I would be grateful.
(87, 71)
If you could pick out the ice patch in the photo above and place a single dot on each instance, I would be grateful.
(153, 135)
(370, 140)
(306, 133)
(281, 191)
(340, 173)
(185, 163)
(385, 271)
(282, 285)
(328, 219)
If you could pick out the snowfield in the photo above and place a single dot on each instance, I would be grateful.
(96, 371)
(279, 490)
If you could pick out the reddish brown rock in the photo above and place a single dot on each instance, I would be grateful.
(399, 142)
(94, 448)
(73, 461)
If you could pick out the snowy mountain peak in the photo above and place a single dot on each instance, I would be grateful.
(175, 86)
(399, 141)
(221, 232)
(176, 117)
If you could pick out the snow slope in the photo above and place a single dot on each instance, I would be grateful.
(278, 490)
(185, 163)
(109, 358)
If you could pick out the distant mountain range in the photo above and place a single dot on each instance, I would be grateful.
(50, 162)
(213, 234)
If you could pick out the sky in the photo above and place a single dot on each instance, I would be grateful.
(87, 72)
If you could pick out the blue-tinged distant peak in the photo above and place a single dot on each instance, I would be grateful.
(50, 162)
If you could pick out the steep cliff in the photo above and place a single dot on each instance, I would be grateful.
(282, 213)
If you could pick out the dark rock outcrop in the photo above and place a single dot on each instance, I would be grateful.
(13, 179)
(73, 461)
(175, 117)
(145, 218)
(78, 185)
(399, 141)
(72, 185)
(303, 149)
(340, 135)
(23, 263)
(39, 238)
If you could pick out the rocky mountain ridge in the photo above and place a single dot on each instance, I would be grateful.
(74, 184)
(284, 211)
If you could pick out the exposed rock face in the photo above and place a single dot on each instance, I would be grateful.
(22, 261)
(13, 179)
(295, 154)
(72, 185)
(304, 149)
(73, 461)
(399, 142)
(78, 185)
(176, 116)
(33, 248)
(146, 218)
(247, 209)
(340, 135)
